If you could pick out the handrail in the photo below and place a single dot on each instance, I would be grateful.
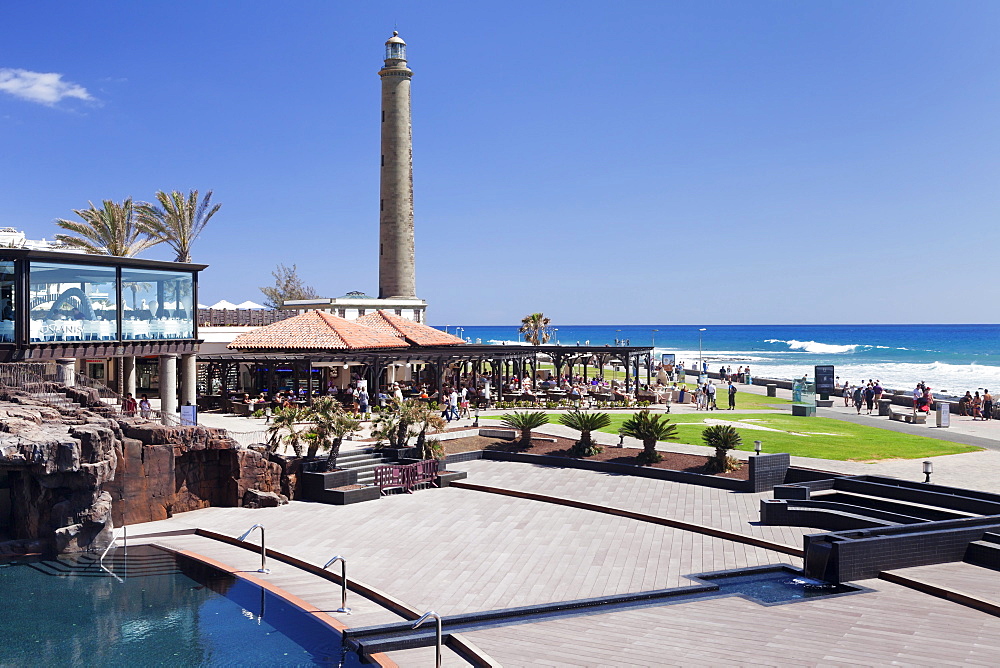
(114, 539)
(437, 649)
(263, 551)
(343, 583)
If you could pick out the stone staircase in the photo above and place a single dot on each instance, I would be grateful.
(141, 561)
(985, 552)
(363, 462)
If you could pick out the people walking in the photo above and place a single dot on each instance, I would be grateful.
(859, 398)
(732, 395)
(987, 405)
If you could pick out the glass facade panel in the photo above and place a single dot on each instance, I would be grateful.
(7, 301)
(157, 304)
(70, 302)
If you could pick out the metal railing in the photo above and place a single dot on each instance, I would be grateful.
(105, 393)
(114, 540)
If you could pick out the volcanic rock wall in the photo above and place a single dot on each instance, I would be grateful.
(74, 474)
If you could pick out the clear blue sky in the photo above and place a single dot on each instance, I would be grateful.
(636, 162)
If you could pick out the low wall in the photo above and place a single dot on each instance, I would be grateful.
(765, 473)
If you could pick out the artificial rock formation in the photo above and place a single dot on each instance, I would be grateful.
(75, 473)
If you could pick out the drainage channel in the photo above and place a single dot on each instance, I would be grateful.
(765, 585)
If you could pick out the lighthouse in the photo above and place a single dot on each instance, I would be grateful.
(396, 268)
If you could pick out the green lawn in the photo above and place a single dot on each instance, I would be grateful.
(823, 438)
(745, 400)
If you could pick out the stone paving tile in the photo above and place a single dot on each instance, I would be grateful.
(456, 551)
(893, 625)
(732, 511)
(959, 576)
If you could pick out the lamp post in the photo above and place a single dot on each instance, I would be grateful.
(654, 337)
(701, 363)
(928, 470)
(756, 447)
(555, 332)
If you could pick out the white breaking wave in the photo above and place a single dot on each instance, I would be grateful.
(952, 379)
(817, 347)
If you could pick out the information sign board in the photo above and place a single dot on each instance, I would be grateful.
(189, 416)
(825, 380)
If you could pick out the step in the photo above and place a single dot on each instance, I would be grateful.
(983, 553)
(991, 537)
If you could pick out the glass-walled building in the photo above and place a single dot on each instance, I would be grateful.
(56, 304)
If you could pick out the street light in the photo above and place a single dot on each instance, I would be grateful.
(757, 447)
(654, 337)
(701, 363)
(555, 332)
(928, 470)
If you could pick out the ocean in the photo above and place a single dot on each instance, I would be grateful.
(949, 358)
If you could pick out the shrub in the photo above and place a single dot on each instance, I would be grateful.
(723, 438)
(525, 421)
(585, 423)
(649, 429)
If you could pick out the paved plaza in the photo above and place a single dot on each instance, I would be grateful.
(457, 551)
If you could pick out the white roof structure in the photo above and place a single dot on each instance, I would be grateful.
(224, 305)
(251, 305)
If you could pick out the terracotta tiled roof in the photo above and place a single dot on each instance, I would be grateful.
(316, 330)
(414, 332)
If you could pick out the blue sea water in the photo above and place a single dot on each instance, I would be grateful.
(950, 358)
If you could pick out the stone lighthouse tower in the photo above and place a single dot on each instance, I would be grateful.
(395, 259)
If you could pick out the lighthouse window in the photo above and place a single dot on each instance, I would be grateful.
(383, 115)
(383, 161)
(381, 205)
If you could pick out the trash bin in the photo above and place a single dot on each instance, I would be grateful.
(884, 409)
(943, 414)
(772, 390)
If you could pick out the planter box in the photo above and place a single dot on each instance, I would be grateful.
(315, 485)
(445, 478)
(399, 453)
(345, 497)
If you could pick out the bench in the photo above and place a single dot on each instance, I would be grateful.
(406, 477)
(912, 418)
(508, 434)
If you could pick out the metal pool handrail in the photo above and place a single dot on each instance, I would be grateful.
(263, 551)
(427, 615)
(114, 539)
(343, 582)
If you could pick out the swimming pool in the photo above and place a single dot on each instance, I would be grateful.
(167, 610)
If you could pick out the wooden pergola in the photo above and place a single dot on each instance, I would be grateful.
(436, 365)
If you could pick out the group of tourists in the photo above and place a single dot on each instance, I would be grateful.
(980, 407)
(705, 396)
(864, 395)
(130, 406)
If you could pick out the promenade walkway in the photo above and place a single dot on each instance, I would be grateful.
(457, 550)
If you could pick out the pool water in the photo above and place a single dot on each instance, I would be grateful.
(775, 585)
(168, 610)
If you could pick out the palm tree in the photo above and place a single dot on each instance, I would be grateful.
(331, 424)
(424, 419)
(179, 219)
(525, 421)
(115, 229)
(585, 423)
(535, 328)
(393, 424)
(649, 429)
(723, 438)
(287, 419)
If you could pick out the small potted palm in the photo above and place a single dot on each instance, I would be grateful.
(649, 429)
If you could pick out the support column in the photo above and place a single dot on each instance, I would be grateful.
(128, 375)
(168, 389)
(189, 379)
(66, 371)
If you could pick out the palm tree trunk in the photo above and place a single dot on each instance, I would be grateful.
(331, 459)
